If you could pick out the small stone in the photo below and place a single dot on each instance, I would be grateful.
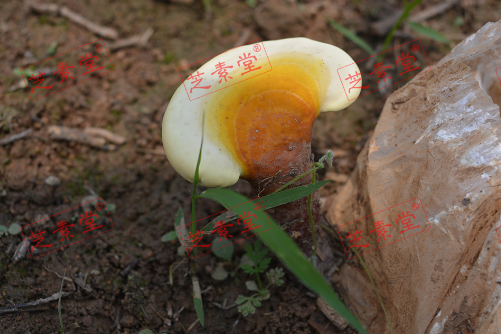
(95, 272)
(127, 321)
(21, 250)
(52, 181)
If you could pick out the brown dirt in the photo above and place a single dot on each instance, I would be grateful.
(130, 101)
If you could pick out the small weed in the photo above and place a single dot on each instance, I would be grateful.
(251, 3)
(22, 272)
(458, 22)
(44, 19)
(117, 114)
(64, 24)
(258, 264)
(12, 230)
(168, 58)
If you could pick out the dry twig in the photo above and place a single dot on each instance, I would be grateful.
(75, 17)
(109, 136)
(131, 266)
(81, 281)
(14, 137)
(69, 134)
(331, 314)
(63, 277)
(136, 40)
(192, 325)
(156, 151)
(16, 308)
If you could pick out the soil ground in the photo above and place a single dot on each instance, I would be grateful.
(137, 178)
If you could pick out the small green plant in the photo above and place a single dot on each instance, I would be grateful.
(26, 72)
(257, 263)
(13, 229)
(168, 58)
(251, 3)
(197, 294)
(51, 50)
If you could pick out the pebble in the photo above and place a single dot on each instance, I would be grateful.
(52, 181)
(21, 251)
(127, 321)
(94, 272)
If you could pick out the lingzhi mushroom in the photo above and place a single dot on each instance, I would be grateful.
(260, 129)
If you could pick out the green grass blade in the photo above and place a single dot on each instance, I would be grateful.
(352, 37)
(197, 176)
(51, 50)
(273, 200)
(286, 249)
(197, 299)
(428, 32)
(389, 37)
(286, 196)
(59, 303)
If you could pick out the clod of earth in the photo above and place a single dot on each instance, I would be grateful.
(260, 129)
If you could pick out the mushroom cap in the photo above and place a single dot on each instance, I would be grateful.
(298, 79)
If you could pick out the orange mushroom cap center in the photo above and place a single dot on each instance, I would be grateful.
(265, 120)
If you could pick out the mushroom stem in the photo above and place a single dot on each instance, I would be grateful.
(293, 217)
